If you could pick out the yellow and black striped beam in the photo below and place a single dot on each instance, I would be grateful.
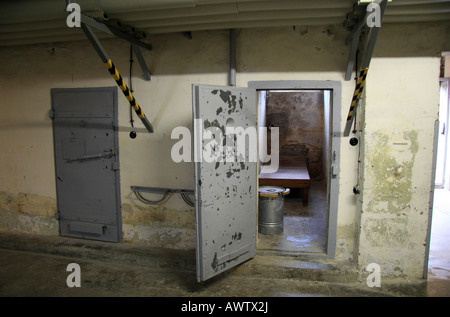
(115, 74)
(361, 81)
(126, 91)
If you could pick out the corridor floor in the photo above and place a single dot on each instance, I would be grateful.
(305, 227)
(439, 256)
(36, 265)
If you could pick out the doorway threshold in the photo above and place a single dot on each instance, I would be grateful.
(308, 267)
(293, 254)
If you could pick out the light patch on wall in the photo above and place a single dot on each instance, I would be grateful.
(391, 163)
(389, 210)
(394, 230)
(345, 243)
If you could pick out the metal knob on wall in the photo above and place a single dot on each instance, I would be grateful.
(353, 141)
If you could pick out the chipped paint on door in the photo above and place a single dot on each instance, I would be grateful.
(226, 196)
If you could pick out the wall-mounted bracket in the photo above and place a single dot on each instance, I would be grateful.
(166, 192)
(115, 74)
(160, 190)
(367, 42)
(141, 61)
(354, 39)
(133, 40)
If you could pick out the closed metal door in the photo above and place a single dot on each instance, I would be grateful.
(86, 162)
(226, 190)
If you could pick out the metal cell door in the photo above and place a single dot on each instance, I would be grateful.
(226, 188)
(86, 162)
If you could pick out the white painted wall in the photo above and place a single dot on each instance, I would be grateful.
(400, 114)
(27, 73)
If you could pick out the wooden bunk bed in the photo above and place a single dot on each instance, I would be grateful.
(292, 173)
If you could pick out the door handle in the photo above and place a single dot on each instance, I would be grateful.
(106, 154)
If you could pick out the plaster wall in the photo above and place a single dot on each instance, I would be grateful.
(397, 157)
(300, 118)
(27, 73)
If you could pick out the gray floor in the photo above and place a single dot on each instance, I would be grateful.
(304, 226)
(439, 257)
(36, 265)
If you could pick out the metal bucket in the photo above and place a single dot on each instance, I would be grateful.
(271, 209)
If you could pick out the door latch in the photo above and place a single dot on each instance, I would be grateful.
(334, 171)
(106, 154)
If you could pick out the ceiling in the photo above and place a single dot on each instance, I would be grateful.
(44, 21)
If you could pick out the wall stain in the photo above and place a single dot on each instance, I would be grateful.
(389, 209)
(392, 178)
(28, 212)
(157, 216)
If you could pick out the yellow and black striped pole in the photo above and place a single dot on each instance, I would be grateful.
(116, 75)
(360, 82)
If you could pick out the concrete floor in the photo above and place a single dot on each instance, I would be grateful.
(305, 227)
(439, 256)
(36, 265)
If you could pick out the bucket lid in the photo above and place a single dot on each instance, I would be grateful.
(273, 191)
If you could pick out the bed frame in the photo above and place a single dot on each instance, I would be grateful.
(292, 173)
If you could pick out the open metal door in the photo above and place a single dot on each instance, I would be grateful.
(225, 190)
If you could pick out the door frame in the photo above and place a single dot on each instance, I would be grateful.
(115, 118)
(443, 152)
(433, 174)
(334, 149)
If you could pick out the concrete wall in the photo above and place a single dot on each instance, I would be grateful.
(300, 118)
(397, 156)
(27, 73)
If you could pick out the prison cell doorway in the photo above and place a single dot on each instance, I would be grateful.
(307, 114)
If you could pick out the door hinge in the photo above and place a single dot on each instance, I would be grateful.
(334, 171)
